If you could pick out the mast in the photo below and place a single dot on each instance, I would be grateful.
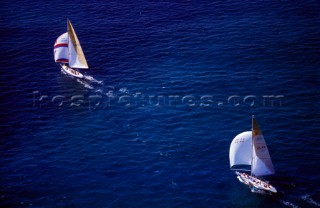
(251, 144)
(68, 37)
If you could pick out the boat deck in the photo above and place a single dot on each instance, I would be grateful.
(255, 182)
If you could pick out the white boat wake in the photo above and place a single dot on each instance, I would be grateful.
(99, 91)
(289, 204)
(85, 84)
(308, 199)
(304, 201)
(124, 90)
(90, 78)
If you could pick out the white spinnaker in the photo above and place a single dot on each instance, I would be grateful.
(76, 55)
(241, 149)
(261, 160)
(60, 49)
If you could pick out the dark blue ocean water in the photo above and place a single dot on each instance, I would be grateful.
(170, 84)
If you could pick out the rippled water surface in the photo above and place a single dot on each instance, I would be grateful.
(170, 84)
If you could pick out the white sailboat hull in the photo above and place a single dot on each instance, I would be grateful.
(255, 182)
(71, 71)
(242, 181)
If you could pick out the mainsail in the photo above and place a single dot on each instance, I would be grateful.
(76, 55)
(261, 160)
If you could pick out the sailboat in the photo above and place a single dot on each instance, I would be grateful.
(68, 53)
(249, 152)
